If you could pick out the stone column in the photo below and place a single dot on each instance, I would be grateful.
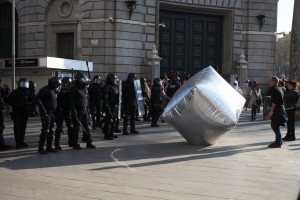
(153, 62)
(242, 66)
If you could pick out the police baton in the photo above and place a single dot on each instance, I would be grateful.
(80, 124)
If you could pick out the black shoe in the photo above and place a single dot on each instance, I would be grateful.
(23, 144)
(117, 131)
(275, 145)
(286, 137)
(290, 138)
(134, 132)
(114, 136)
(42, 151)
(154, 125)
(51, 150)
(77, 147)
(108, 138)
(90, 146)
(125, 133)
(58, 147)
(5, 147)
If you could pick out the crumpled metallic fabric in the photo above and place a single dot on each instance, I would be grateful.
(204, 108)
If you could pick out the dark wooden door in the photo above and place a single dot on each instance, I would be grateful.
(65, 45)
(190, 42)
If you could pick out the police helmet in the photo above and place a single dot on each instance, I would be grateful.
(32, 84)
(54, 82)
(66, 82)
(23, 83)
(82, 79)
(97, 79)
(112, 79)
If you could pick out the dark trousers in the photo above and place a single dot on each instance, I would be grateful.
(60, 117)
(96, 110)
(110, 121)
(129, 116)
(157, 110)
(81, 121)
(253, 112)
(47, 129)
(276, 128)
(291, 122)
(2, 142)
(20, 119)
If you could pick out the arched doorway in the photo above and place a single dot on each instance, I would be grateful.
(6, 30)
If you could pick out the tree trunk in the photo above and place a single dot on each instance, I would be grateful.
(295, 43)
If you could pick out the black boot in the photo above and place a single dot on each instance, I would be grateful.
(106, 131)
(57, 139)
(132, 128)
(94, 122)
(70, 136)
(49, 148)
(41, 149)
(76, 146)
(125, 126)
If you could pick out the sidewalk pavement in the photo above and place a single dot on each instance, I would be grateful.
(156, 164)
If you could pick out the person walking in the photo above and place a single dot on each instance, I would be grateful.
(277, 112)
(21, 101)
(255, 101)
(291, 98)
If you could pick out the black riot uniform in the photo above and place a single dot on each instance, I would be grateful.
(79, 106)
(3, 146)
(156, 102)
(47, 103)
(95, 100)
(129, 104)
(21, 100)
(110, 106)
(32, 86)
(63, 112)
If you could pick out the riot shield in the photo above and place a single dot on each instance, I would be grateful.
(139, 97)
(120, 100)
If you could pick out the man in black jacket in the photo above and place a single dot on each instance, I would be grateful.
(79, 106)
(21, 101)
(291, 98)
(47, 103)
(110, 106)
(277, 112)
(129, 104)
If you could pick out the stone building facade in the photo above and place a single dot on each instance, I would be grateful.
(189, 34)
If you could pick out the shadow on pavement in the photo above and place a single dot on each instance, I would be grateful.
(165, 152)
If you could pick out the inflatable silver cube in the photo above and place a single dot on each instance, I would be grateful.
(204, 108)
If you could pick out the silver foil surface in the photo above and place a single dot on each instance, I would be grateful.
(204, 108)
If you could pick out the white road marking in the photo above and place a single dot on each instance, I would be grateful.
(120, 163)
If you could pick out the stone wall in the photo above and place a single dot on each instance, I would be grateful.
(123, 45)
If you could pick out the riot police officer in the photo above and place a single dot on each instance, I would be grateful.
(129, 104)
(63, 112)
(32, 86)
(47, 103)
(95, 104)
(110, 106)
(21, 101)
(156, 102)
(3, 146)
(79, 106)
